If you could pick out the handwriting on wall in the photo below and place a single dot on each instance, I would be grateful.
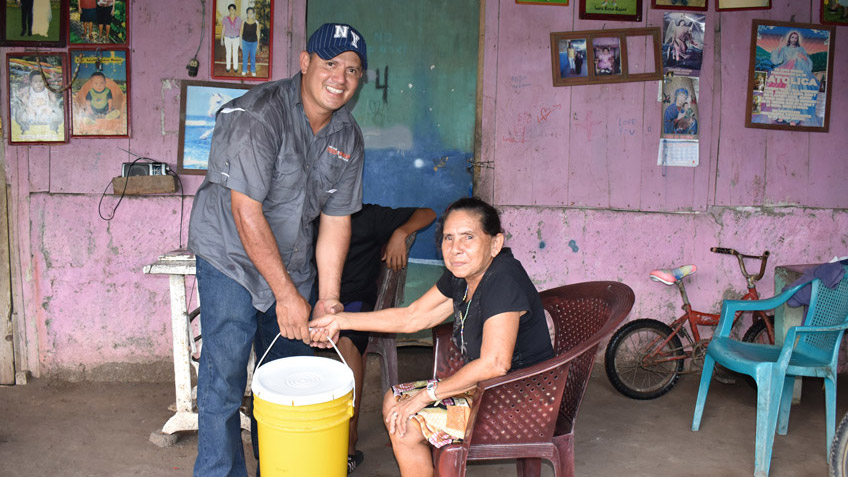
(385, 84)
(525, 125)
(626, 127)
(518, 81)
(587, 124)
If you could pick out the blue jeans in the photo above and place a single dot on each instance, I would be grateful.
(248, 50)
(229, 326)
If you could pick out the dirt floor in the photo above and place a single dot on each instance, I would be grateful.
(103, 429)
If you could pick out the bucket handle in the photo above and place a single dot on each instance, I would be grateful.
(334, 347)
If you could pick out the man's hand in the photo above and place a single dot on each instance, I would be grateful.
(395, 253)
(292, 316)
(327, 306)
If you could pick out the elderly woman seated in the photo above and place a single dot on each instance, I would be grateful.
(499, 326)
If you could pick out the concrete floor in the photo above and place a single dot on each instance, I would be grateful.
(102, 429)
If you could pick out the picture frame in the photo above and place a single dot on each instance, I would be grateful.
(604, 56)
(692, 5)
(36, 108)
(100, 92)
(563, 3)
(225, 46)
(199, 101)
(790, 76)
(614, 10)
(833, 16)
(102, 26)
(725, 5)
(47, 27)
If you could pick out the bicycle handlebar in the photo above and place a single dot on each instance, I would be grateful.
(740, 256)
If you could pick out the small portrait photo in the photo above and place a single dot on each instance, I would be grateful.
(607, 53)
(760, 81)
(99, 22)
(680, 108)
(33, 23)
(36, 102)
(241, 43)
(100, 92)
(572, 58)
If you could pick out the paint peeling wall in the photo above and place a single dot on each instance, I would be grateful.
(574, 171)
(583, 199)
(87, 310)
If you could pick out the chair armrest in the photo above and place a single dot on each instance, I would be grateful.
(729, 308)
(540, 388)
(794, 331)
(446, 357)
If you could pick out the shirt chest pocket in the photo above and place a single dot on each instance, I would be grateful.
(324, 177)
(289, 179)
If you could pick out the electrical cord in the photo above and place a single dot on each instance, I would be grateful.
(124, 190)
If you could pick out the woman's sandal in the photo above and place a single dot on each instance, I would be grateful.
(354, 461)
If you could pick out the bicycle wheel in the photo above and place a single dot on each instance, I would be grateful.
(837, 463)
(758, 333)
(629, 368)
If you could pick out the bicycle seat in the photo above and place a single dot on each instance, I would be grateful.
(670, 276)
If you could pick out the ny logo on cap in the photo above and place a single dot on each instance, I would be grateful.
(341, 31)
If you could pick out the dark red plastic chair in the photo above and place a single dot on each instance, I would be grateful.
(529, 414)
(390, 287)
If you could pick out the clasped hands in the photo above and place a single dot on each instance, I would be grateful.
(293, 316)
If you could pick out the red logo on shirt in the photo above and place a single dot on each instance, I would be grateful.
(336, 152)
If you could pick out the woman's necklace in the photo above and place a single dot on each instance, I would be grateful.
(462, 322)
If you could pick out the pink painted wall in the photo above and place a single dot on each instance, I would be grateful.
(576, 176)
(574, 172)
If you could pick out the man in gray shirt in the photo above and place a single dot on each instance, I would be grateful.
(282, 155)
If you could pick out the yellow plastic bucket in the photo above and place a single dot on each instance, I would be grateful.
(302, 407)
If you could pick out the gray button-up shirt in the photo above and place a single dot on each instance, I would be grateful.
(263, 147)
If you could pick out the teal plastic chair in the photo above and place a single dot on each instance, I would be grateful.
(808, 350)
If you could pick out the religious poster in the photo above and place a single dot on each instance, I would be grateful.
(790, 76)
(683, 43)
(680, 108)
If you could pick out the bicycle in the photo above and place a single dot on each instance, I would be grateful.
(837, 462)
(644, 358)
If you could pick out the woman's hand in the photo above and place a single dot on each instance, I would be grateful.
(401, 412)
(323, 329)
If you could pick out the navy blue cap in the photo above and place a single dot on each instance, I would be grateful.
(332, 39)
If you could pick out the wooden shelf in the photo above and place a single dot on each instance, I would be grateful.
(140, 185)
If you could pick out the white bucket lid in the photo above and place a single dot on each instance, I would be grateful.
(301, 380)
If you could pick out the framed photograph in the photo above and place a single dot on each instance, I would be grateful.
(790, 76)
(607, 53)
(563, 3)
(100, 22)
(696, 5)
(199, 101)
(100, 92)
(722, 5)
(680, 108)
(605, 56)
(834, 12)
(36, 102)
(241, 42)
(616, 10)
(34, 23)
(683, 42)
